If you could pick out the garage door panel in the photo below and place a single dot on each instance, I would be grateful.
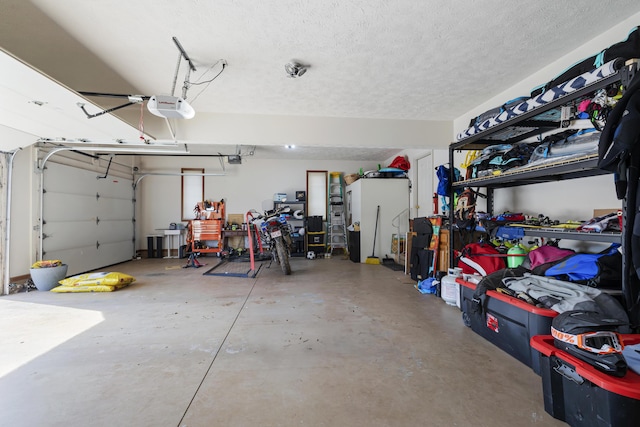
(114, 209)
(90, 258)
(79, 260)
(115, 187)
(84, 231)
(111, 252)
(65, 207)
(69, 234)
(57, 178)
(112, 231)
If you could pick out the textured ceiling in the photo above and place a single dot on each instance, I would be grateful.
(381, 59)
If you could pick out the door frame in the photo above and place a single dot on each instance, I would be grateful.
(422, 171)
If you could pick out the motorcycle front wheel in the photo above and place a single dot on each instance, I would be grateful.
(283, 256)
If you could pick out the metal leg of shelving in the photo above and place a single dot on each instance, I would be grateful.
(452, 175)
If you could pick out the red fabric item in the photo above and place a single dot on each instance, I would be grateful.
(480, 258)
(400, 163)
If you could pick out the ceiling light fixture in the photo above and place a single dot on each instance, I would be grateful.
(295, 69)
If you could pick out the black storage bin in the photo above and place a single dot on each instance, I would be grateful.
(159, 246)
(297, 248)
(507, 322)
(578, 394)
(315, 238)
(314, 223)
(150, 252)
(354, 246)
(318, 249)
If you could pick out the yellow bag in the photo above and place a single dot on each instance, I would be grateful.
(98, 279)
(92, 288)
(47, 263)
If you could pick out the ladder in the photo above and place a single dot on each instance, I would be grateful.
(336, 225)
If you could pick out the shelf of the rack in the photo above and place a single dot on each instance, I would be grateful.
(478, 140)
(289, 202)
(549, 233)
(578, 167)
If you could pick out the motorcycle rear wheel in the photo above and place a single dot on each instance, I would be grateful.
(283, 256)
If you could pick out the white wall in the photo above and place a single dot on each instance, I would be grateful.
(22, 250)
(247, 129)
(250, 185)
(439, 156)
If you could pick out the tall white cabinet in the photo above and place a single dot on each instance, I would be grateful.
(363, 198)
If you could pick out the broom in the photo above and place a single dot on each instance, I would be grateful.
(374, 259)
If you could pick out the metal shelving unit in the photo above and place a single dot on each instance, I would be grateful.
(526, 125)
(298, 250)
(604, 237)
(535, 122)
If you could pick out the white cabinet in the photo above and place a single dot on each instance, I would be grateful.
(363, 198)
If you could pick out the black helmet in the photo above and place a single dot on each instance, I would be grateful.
(591, 337)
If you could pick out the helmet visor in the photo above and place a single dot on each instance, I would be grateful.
(601, 342)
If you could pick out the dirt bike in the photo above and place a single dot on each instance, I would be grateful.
(275, 234)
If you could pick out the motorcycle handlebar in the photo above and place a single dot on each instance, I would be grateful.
(270, 213)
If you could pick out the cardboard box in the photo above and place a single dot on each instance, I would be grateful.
(602, 212)
(237, 219)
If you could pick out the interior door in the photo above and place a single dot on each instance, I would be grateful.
(423, 199)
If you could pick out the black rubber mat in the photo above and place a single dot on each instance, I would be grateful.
(235, 268)
(393, 265)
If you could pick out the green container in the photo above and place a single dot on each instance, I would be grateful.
(517, 257)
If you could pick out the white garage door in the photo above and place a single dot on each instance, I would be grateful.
(87, 222)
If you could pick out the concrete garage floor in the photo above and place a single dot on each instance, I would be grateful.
(334, 344)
